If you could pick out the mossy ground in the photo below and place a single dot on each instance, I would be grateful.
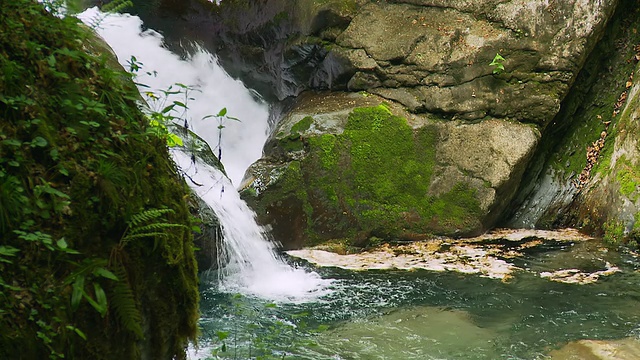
(372, 181)
(77, 163)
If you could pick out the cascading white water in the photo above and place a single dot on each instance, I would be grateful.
(253, 267)
(214, 89)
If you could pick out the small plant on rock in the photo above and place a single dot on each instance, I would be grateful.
(497, 62)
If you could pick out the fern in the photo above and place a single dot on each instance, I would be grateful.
(155, 227)
(148, 215)
(117, 6)
(149, 224)
(123, 304)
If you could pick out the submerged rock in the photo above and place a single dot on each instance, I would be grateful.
(624, 349)
(421, 332)
(575, 276)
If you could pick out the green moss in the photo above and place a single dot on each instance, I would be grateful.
(77, 156)
(628, 177)
(302, 125)
(324, 146)
(374, 179)
(291, 143)
(614, 233)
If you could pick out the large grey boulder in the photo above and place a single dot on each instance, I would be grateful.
(434, 56)
(346, 165)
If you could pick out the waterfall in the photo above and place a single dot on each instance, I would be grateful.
(253, 265)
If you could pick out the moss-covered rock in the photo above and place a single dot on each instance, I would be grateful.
(96, 249)
(362, 169)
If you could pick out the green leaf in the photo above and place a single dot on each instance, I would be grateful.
(167, 108)
(181, 104)
(101, 297)
(173, 140)
(222, 112)
(497, 59)
(8, 250)
(222, 335)
(100, 304)
(78, 291)
(77, 331)
(12, 142)
(62, 243)
(52, 191)
(39, 141)
(105, 273)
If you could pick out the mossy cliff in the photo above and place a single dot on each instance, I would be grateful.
(585, 173)
(96, 252)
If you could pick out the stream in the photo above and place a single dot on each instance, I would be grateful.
(269, 305)
(431, 315)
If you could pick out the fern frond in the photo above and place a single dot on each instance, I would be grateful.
(117, 6)
(148, 215)
(124, 306)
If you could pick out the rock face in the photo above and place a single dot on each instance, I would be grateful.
(448, 152)
(586, 171)
(433, 56)
(437, 60)
(613, 194)
(360, 168)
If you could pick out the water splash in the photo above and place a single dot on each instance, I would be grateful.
(253, 266)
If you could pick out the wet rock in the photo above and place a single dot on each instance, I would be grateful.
(421, 332)
(575, 276)
(624, 349)
(584, 174)
(489, 255)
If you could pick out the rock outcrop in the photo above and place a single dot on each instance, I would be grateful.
(345, 164)
(586, 171)
(471, 127)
